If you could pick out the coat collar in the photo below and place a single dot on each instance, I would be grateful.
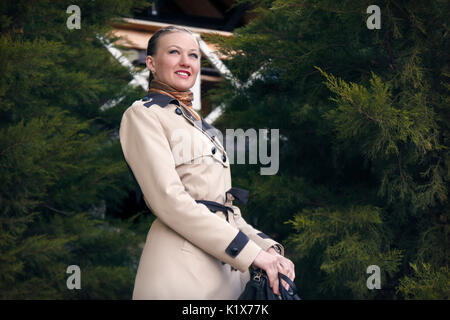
(163, 101)
(159, 99)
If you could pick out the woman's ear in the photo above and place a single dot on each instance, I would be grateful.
(150, 62)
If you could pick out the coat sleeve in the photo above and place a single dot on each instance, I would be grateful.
(147, 151)
(260, 238)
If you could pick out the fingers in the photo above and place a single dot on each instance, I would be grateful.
(286, 267)
(273, 282)
(291, 271)
(268, 263)
(272, 274)
(272, 264)
(286, 272)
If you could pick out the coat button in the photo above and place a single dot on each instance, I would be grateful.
(178, 111)
(234, 251)
(213, 150)
(224, 158)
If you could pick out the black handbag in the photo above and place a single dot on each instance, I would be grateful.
(258, 288)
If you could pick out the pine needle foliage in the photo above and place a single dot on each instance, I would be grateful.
(61, 165)
(364, 160)
(426, 283)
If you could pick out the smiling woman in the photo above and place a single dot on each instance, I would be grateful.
(199, 247)
(173, 58)
(176, 60)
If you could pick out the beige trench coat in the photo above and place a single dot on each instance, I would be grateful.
(190, 252)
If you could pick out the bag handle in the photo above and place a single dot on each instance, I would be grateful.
(292, 287)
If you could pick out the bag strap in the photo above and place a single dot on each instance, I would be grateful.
(289, 281)
(292, 286)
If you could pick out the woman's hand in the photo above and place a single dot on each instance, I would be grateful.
(272, 262)
(269, 263)
(285, 266)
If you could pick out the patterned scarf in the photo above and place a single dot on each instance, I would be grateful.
(185, 97)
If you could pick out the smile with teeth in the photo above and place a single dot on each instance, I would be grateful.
(183, 74)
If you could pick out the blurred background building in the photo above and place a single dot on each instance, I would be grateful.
(201, 17)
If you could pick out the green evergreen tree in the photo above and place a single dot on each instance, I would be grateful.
(364, 159)
(61, 166)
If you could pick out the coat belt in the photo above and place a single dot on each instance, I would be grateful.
(239, 194)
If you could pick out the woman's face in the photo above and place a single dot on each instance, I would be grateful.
(176, 61)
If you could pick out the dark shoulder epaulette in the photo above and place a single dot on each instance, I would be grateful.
(159, 99)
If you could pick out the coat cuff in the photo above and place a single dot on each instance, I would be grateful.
(265, 242)
(241, 252)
